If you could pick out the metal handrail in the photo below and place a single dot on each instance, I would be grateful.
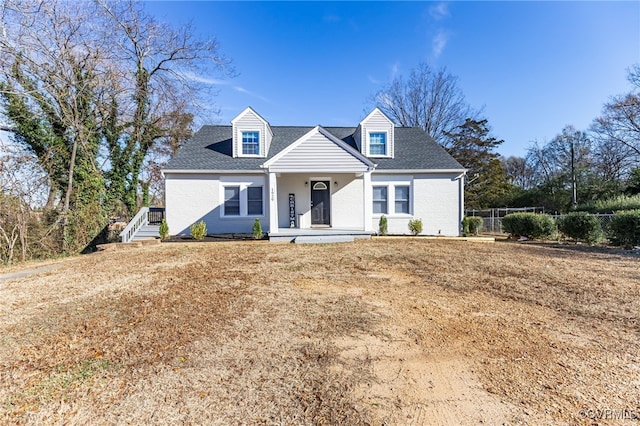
(140, 220)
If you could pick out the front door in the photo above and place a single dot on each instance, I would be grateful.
(320, 203)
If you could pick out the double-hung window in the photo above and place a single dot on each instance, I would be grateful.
(250, 143)
(377, 143)
(254, 201)
(379, 200)
(232, 201)
(402, 199)
(242, 200)
(392, 198)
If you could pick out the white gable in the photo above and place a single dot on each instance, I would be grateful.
(375, 122)
(250, 121)
(319, 151)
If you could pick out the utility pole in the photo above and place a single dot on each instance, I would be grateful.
(574, 186)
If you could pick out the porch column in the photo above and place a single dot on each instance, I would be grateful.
(368, 201)
(461, 211)
(273, 202)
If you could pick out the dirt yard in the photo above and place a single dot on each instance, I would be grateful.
(383, 332)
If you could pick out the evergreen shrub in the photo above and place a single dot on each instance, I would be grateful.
(382, 225)
(471, 225)
(415, 226)
(257, 229)
(198, 230)
(530, 225)
(581, 226)
(624, 229)
(164, 230)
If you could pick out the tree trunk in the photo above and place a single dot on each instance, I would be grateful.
(67, 196)
(51, 199)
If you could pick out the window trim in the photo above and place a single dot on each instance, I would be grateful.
(224, 205)
(386, 143)
(391, 198)
(386, 199)
(241, 143)
(250, 200)
(243, 198)
(396, 200)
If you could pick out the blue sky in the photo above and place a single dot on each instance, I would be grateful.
(533, 66)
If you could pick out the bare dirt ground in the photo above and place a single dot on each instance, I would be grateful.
(403, 332)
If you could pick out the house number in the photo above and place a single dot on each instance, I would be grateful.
(292, 210)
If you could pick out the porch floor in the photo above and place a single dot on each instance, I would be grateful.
(317, 235)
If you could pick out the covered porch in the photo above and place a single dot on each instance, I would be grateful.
(319, 187)
(328, 207)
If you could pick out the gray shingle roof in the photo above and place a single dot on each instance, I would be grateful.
(211, 149)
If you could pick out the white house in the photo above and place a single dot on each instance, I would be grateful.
(299, 178)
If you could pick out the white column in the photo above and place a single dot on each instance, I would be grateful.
(368, 201)
(273, 202)
(461, 211)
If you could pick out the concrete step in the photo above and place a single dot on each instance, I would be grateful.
(320, 239)
(145, 232)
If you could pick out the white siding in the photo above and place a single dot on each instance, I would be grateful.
(190, 198)
(347, 210)
(435, 198)
(293, 184)
(438, 202)
(247, 121)
(318, 154)
(376, 121)
(346, 199)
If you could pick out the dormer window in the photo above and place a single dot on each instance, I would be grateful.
(251, 143)
(374, 135)
(377, 143)
(252, 135)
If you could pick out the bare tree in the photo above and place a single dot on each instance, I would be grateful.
(620, 119)
(563, 163)
(91, 88)
(520, 172)
(22, 187)
(428, 99)
(158, 96)
(50, 80)
(612, 161)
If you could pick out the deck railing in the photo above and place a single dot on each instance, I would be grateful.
(140, 220)
(156, 214)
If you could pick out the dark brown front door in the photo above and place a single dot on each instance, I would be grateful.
(320, 202)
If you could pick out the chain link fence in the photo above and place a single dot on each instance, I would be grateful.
(492, 218)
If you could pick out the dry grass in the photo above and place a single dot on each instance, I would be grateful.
(364, 333)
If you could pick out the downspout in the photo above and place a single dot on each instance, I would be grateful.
(461, 198)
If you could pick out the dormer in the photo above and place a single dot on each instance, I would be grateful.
(375, 135)
(251, 135)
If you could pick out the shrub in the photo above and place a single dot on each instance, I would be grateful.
(257, 229)
(530, 225)
(415, 226)
(624, 229)
(471, 225)
(382, 225)
(198, 230)
(581, 226)
(164, 230)
(621, 202)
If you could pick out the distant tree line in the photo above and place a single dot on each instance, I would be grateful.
(575, 167)
(580, 167)
(95, 96)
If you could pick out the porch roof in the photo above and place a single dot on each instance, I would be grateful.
(319, 151)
